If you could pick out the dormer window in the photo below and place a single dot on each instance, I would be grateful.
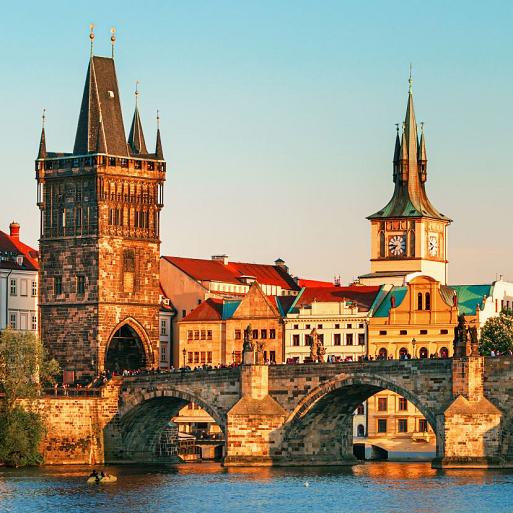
(19, 259)
(110, 94)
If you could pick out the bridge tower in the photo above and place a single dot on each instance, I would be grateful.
(408, 235)
(99, 236)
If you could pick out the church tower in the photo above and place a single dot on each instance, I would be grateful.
(99, 243)
(408, 235)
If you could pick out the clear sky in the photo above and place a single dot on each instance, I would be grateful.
(278, 119)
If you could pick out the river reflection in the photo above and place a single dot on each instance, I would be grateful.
(374, 487)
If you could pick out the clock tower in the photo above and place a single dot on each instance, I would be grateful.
(408, 235)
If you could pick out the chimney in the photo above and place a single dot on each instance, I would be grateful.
(14, 230)
(220, 258)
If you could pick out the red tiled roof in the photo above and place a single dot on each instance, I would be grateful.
(364, 296)
(314, 283)
(209, 310)
(10, 244)
(212, 270)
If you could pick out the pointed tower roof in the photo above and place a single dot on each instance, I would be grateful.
(410, 197)
(397, 149)
(136, 136)
(101, 101)
(159, 153)
(42, 145)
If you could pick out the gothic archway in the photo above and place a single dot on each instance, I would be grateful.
(125, 351)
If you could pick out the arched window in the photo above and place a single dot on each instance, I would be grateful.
(403, 353)
(444, 352)
(360, 430)
(423, 353)
(382, 244)
(419, 301)
(427, 304)
(412, 243)
(383, 353)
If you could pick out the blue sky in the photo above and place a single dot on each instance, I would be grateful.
(278, 119)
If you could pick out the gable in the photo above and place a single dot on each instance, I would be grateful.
(255, 304)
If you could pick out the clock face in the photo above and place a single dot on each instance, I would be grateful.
(397, 245)
(433, 245)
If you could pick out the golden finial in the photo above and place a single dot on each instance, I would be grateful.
(410, 80)
(137, 92)
(91, 36)
(158, 120)
(43, 118)
(112, 39)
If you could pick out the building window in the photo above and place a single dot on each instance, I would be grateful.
(238, 334)
(196, 356)
(336, 339)
(382, 425)
(203, 334)
(382, 244)
(383, 332)
(209, 334)
(307, 340)
(163, 353)
(382, 404)
(361, 326)
(349, 326)
(319, 326)
(196, 335)
(337, 326)
(360, 410)
(349, 339)
(80, 284)
(444, 332)
(189, 357)
(402, 425)
(163, 327)
(189, 334)
(296, 326)
(295, 340)
(403, 332)
(272, 333)
(263, 333)
(57, 285)
(403, 404)
(13, 287)
(255, 334)
(361, 339)
(34, 288)
(423, 425)
(428, 301)
(12, 320)
(419, 301)
(203, 357)
(307, 326)
(423, 332)
(209, 356)
(34, 322)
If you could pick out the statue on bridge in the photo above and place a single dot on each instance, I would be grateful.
(317, 349)
(252, 350)
(465, 339)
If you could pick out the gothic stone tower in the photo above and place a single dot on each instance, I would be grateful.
(99, 244)
(408, 235)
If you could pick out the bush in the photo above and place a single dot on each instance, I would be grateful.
(21, 433)
(497, 334)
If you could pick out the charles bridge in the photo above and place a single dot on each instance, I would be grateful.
(291, 414)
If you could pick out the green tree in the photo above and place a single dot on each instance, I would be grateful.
(25, 370)
(497, 334)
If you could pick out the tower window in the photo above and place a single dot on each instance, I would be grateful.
(382, 244)
(412, 243)
(419, 301)
(428, 301)
(80, 284)
(57, 285)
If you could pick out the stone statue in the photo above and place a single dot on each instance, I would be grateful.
(248, 348)
(465, 339)
(317, 349)
(259, 356)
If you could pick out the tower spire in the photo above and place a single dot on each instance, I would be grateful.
(159, 153)
(397, 151)
(136, 137)
(422, 155)
(42, 142)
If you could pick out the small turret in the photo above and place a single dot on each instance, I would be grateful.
(159, 153)
(42, 142)
(397, 151)
(136, 140)
(422, 156)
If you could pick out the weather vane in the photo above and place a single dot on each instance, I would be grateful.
(91, 36)
(112, 39)
(410, 80)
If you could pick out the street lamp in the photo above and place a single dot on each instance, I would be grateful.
(184, 352)
(413, 342)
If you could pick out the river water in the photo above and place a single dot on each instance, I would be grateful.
(208, 487)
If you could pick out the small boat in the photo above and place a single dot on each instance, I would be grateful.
(107, 478)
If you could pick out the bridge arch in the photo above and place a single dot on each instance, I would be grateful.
(320, 427)
(143, 415)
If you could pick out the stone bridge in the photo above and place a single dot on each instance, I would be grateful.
(302, 414)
